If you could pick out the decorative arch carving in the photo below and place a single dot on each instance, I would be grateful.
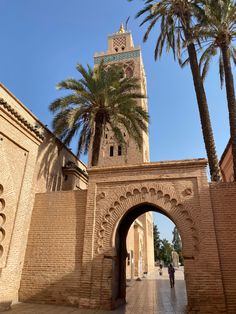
(164, 198)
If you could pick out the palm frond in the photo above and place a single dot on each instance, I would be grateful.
(99, 93)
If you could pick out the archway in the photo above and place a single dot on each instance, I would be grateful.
(180, 191)
(121, 207)
(119, 280)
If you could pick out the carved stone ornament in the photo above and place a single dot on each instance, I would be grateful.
(152, 194)
(21, 119)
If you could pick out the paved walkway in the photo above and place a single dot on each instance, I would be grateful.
(152, 295)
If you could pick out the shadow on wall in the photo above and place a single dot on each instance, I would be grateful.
(53, 156)
(50, 160)
(5, 306)
(53, 271)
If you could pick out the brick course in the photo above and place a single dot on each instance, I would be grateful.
(72, 255)
(31, 161)
(223, 197)
(53, 261)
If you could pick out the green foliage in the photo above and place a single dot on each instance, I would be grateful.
(217, 31)
(102, 96)
(157, 242)
(216, 26)
(163, 248)
(165, 251)
(177, 244)
(176, 240)
(175, 20)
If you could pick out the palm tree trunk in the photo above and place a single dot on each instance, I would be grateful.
(97, 139)
(204, 113)
(229, 83)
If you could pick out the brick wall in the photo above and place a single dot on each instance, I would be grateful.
(181, 191)
(130, 250)
(31, 161)
(226, 164)
(52, 267)
(224, 205)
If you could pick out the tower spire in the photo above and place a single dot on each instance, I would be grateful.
(122, 51)
(122, 29)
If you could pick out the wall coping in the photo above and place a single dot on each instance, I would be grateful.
(41, 134)
(186, 163)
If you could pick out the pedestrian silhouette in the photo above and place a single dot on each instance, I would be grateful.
(160, 270)
(171, 272)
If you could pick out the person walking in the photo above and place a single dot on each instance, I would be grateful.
(171, 272)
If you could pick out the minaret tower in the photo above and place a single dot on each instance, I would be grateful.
(121, 50)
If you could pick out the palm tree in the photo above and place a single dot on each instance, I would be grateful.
(176, 22)
(101, 97)
(217, 30)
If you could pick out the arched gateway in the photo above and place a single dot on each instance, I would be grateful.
(124, 186)
(76, 247)
(117, 196)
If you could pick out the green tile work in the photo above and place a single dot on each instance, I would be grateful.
(117, 57)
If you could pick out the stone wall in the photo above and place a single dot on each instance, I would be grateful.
(19, 144)
(224, 203)
(130, 251)
(72, 252)
(57, 168)
(140, 245)
(147, 221)
(226, 164)
(117, 196)
(52, 268)
(31, 160)
(59, 269)
(139, 236)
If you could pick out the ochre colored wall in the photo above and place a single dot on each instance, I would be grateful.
(224, 206)
(51, 254)
(71, 253)
(148, 254)
(140, 239)
(130, 250)
(226, 164)
(116, 195)
(52, 268)
(31, 161)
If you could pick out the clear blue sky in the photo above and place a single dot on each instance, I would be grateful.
(41, 42)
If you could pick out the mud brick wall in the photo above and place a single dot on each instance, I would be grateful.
(224, 206)
(52, 267)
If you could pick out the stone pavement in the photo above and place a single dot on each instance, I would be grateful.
(152, 295)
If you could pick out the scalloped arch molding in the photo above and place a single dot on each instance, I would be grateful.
(165, 199)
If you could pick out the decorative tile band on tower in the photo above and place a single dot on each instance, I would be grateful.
(117, 57)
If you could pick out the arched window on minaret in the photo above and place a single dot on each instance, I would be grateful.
(129, 72)
(119, 150)
(111, 151)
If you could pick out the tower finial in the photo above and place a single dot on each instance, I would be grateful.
(122, 29)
